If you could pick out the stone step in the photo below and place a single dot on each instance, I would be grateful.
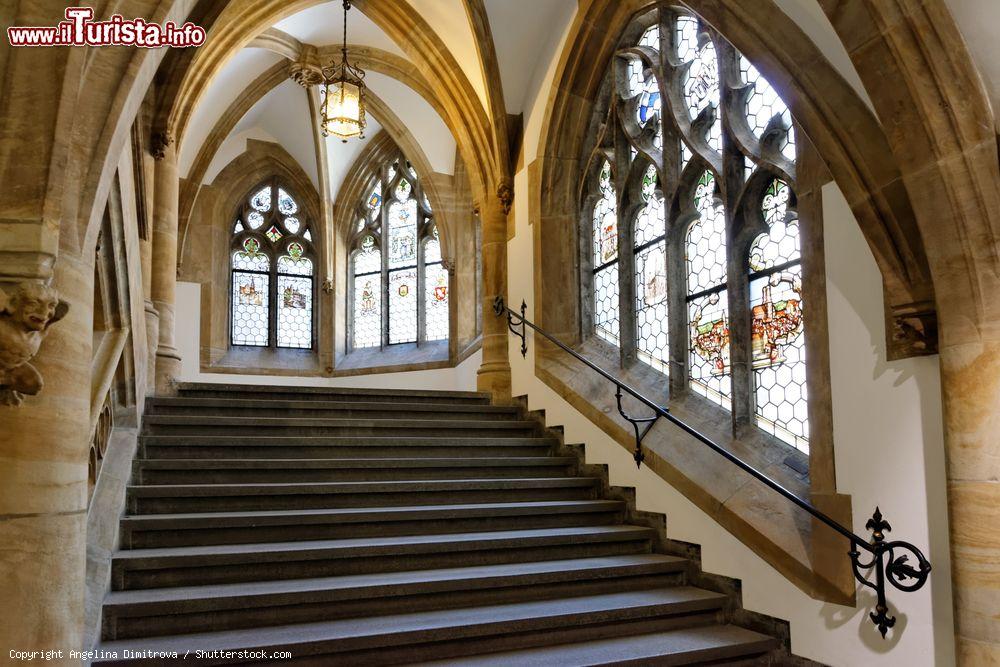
(193, 446)
(689, 646)
(234, 563)
(264, 392)
(450, 633)
(207, 528)
(341, 409)
(177, 498)
(303, 426)
(183, 610)
(236, 471)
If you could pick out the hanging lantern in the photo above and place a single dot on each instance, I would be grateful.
(342, 112)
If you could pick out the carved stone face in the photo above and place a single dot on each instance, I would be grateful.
(34, 306)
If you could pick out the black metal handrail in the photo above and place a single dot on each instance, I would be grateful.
(883, 555)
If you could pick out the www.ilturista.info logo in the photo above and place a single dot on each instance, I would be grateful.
(79, 29)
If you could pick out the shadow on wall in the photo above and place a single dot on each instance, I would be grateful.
(836, 616)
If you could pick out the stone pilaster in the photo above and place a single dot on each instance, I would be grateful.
(494, 373)
(166, 186)
(43, 482)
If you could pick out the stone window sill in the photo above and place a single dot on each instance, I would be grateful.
(306, 363)
(810, 556)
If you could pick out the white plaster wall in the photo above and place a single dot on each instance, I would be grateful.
(188, 323)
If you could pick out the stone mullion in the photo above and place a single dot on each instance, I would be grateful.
(737, 283)
(383, 215)
(626, 256)
(421, 282)
(671, 171)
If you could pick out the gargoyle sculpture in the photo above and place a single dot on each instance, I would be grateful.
(25, 317)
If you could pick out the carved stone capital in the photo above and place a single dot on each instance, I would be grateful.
(26, 313)
(914, 331)
(449, 265)
(328, 286)
(505, 192)
(159, 143)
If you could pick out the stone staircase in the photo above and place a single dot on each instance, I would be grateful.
(377, 527)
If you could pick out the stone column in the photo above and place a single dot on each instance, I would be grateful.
(166, 187)
(494, 373)
(970, 384)
(43, 481)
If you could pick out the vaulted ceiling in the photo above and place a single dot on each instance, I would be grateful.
(252, 96)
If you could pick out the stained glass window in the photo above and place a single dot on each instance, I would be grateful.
(272, 273)
(666, 219)
(778, 336)
(606, 257)
(708, 305)
(400, 295)
(652, 344)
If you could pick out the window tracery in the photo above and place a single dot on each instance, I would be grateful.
(694, 264)
(271, 272)
(400, 287)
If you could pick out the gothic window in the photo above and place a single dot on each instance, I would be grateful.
(689, 220)
(272, 275)
(400, 286)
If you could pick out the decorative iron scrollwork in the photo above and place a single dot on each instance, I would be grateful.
(638, 455)
(516, 327)
(901, 563)
(897, 569)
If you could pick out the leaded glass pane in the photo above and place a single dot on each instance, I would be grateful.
(651, 306)
(368, 259)
(261, 200)
(273, 234)
(779, 356)
(403, 306)
(250, 261)
(238, 228)
(432, 250)
(250, 308)
(606, 303)
(255, 219)
(436, 301)
(402, 233)
(368, 310)
(308, 236)
(708, 308)
(708, 318)
(403, 190)
(292, 225)
(605, 220)
(763, 105)
(705, 245)
(651, 38)
(375, 200)
(286, 205)
(701, 89)
(778, 336)
(294, 311)
(295, 267)
(650, 222)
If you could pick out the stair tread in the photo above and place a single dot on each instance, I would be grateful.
(639, 532)
(682, 646)
(351, 463)
(221, 420)
(297, 488)
(508, 572)
(279, 404)
(351, 391)
(502, 617)
(469, 508)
